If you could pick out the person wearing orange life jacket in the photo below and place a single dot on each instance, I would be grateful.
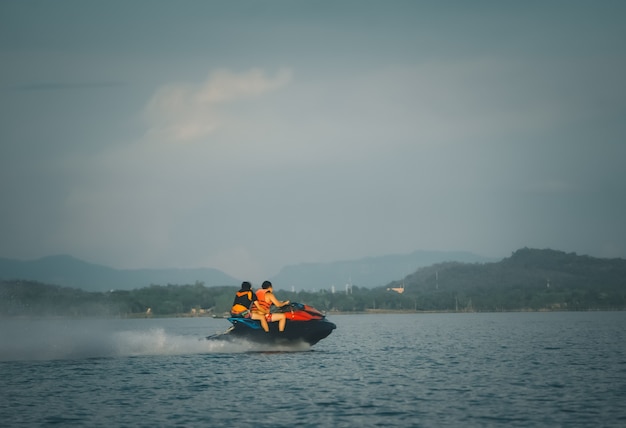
(266, 298)
(245, 300)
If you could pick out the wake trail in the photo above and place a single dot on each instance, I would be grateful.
(81, 344)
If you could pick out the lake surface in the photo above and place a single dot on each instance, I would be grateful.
(504, 369)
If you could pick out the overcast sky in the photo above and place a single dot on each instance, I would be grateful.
(250, 135)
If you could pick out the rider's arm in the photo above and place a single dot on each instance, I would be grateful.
(276, 301)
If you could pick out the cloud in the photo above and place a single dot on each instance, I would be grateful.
(182, 112)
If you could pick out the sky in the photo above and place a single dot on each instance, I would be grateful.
(251, 135)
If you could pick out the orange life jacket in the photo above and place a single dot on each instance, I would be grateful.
(260, 295)
(242, 302)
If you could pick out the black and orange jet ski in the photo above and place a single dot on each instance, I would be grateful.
(304, 324)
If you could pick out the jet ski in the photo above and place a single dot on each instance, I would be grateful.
(304, 324)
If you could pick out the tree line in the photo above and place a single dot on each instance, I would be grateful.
(529, 280)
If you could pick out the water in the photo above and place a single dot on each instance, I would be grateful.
(506, 369)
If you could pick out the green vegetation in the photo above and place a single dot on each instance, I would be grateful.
(528, 280)
(28, 298)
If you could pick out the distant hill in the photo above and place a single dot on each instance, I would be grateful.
(68, 271)
(530, 278)
(367, 272)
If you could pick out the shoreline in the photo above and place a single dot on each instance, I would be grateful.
(330, 313)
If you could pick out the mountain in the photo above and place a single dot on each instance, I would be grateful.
(68, 271)
(367, 272)
(526, 269)
(533, 279)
